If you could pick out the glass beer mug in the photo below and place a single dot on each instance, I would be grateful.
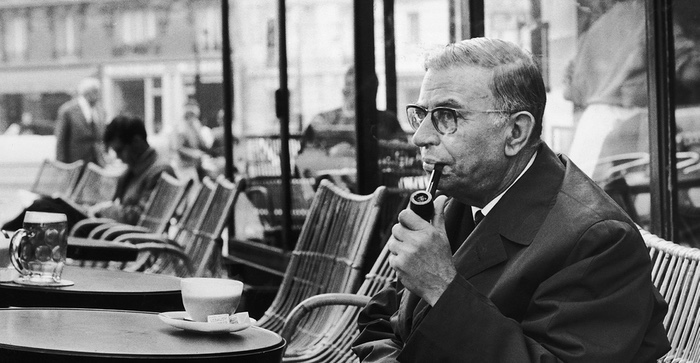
(38, 250)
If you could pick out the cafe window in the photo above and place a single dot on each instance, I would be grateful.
(15, 35)
(65, 22)
(137, 27)
(208, 28)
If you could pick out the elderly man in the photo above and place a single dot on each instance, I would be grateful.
(554, 272)
(80, 126)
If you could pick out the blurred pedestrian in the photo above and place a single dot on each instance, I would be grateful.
(80, 126)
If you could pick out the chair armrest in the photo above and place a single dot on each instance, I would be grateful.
(112, 232)
(138, 237)
(97, 231)
(83, 228)
(158, 248)
(304, 307)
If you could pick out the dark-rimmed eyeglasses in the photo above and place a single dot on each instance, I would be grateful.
(443, 118)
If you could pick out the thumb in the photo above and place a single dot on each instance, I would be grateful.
(439, 212)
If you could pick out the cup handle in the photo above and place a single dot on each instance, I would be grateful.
(15, 247)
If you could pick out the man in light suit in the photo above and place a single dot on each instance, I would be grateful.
(80, 126)
(555, 271)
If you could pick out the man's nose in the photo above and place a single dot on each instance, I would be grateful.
(426, 134)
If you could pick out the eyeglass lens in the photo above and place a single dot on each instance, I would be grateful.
(444, 119)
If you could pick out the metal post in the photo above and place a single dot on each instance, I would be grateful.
(366, 103)
(282, 110)
(390, 56)
(228, 104)
(228, 90)
(662, 123)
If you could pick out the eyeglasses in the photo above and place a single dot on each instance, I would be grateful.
(444, 118)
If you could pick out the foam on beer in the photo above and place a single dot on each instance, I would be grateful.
(44, 217)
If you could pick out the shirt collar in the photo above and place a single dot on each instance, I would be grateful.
(85, 107)
(487, 208)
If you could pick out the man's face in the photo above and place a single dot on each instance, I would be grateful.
(92, 96)
(474, 155)
(124, 152)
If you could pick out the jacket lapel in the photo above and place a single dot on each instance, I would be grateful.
(516, 218)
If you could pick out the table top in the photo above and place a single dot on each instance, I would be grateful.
(99, 288)
(91, 335)
(92, 249)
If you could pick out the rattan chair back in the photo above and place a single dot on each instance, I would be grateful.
(330, 252)
(676, 274)
(95, 185)
(163, 203)
(56, 178)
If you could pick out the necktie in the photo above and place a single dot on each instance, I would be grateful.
(478, 216)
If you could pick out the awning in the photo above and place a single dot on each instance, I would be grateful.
(44, 80)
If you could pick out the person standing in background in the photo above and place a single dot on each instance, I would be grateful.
(80, 126)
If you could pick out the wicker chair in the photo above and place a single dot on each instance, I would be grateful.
(196, 248)
(95, 185)
(331, 342)
(329, 254)
(265, 193)
(160, 208)
(56, 178)
(675, 273)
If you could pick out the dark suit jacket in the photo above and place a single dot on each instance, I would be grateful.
(555, 272)
(76, 139)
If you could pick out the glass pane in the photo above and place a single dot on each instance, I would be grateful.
(594, 60)
(686, 32)
(322, 86)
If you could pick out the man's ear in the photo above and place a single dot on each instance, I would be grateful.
(518, 129)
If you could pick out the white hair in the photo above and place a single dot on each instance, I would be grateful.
(88, 84)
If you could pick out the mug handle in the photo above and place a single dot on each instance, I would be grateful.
(15, 245)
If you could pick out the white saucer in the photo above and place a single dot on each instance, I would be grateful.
(180, 319)
(27, 281)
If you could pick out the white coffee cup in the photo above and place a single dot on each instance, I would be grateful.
(203, 296)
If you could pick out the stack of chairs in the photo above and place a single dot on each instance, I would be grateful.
(160, 208)
(195, 249)
(156, 217)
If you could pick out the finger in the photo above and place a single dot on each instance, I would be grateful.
(411, 220)
(439, 214)
(392, 245)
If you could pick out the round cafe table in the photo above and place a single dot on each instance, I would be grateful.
(99, 288)
(85, 335)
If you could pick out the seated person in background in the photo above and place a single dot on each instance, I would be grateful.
(127, 137)
(334, 131)
(329, 142)
(554, 272)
